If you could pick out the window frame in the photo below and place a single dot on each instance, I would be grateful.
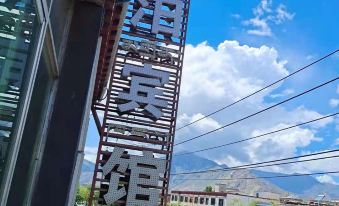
(213, 201)
(24, 105)
(222, 202)
(196, 200)
(201, 200)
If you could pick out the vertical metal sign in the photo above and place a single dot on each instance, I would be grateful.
(140, 112)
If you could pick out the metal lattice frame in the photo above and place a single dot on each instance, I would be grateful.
(161, 147)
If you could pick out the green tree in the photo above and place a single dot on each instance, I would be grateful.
(236, 202)
(174, 204)
(208, 189)
(253, 203)
(82, 195)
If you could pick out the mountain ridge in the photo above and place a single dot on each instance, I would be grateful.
(303, 186)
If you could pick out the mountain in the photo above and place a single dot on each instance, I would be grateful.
(87, 172)
(186, 163)
(302, 186)
(296, 185)
(190, 163)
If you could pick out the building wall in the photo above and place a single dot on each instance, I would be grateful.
(210, 200)
(45, 69)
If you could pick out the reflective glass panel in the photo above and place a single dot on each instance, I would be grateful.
(18, 31)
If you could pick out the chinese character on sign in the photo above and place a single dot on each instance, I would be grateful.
(172, 16)
(144, 177)
(148, 49)
(143, 91)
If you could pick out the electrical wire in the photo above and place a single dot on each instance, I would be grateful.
(260, 90)
(261, 111)
(263, 164)
(258, 136)
(264, 177)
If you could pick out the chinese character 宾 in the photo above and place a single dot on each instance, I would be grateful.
(143, 91)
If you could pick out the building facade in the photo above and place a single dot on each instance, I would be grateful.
(193, 198)
(49, 50)
(61, 59)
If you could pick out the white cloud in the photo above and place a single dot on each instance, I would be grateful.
(203, 125)
(265, 15)
(91, 153)
(284, 143)
(236, 16)
(310, 56)
(282, 15)
(284, 93)
(301, 114)
(336, 142)
(215, 77)
(338, 89)
(326, 179)
(334, 103)
(229, 72)
(261, 25)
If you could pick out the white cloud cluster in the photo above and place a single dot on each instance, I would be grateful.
(215, 77)
(230, 71)
(265, 15)
(334, 102)
(203, 123)
(284, 144)
(91, 153)
(326, 179)
(284, 93)
(336, 142)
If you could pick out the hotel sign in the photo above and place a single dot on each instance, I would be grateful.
(136, 144)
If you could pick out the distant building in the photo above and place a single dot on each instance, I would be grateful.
(193, 198)
(292, 201)
(323, 200)
(225, 188)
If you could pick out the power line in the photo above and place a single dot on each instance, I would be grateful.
(264, 177)
(261, 111)
(260, 90)
(260, 166)
(258, 136)
(264, 164)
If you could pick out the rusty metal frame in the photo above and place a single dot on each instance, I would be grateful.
(167, 123)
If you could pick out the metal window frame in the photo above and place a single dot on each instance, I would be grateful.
(23, 110)
(49, 48)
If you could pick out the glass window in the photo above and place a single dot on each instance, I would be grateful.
(212, 201)
(19, 29)
(172, 198)
(202, 200)
(207, 201)
(181, 199)
(176, 198)
(191, 199)
(186, 199)
(32, 136)
(60, 21)
(196, 200)
(221, 202)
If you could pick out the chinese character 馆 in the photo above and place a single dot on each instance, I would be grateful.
(143, 179)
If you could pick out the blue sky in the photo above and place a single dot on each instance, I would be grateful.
(296, 33)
